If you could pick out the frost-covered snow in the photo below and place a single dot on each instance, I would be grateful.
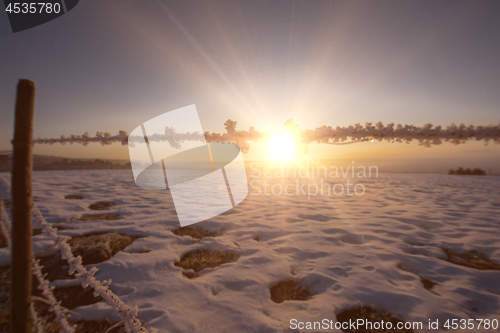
(346, 250)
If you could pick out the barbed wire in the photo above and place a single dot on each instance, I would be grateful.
(426, 135)
(47, 291)
(126, 313)
(5, 224)
(36, 320)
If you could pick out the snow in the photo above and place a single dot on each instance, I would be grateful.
(345, 249)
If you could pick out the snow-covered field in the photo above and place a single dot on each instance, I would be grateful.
(347, 250)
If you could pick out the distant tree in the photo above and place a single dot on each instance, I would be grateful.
(468, 171)
(478, 172)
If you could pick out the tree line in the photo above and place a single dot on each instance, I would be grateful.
(462, 171)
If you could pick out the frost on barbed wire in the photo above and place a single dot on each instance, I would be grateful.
(171, 136)
(104, 138)
(47, 292)
(426, 135)
(126, 313)
(36, 320)
(5, 224)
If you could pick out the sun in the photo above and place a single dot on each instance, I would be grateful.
(282, 147)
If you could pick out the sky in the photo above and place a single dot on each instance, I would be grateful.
(111, 65)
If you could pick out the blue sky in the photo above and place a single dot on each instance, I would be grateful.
(111, 65)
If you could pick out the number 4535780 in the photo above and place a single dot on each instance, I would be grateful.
(471, 324)
(33, 8)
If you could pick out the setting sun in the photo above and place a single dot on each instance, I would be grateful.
(282, 147)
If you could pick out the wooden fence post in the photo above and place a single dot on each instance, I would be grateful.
(22, 166)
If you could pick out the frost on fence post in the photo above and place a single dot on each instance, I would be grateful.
(204, 179)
